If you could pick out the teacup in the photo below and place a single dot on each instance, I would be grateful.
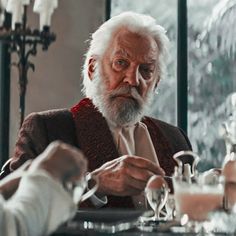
(198, 198)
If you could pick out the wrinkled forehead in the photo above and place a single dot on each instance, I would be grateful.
(127, 43)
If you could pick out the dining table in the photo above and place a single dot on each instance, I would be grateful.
(124, 222)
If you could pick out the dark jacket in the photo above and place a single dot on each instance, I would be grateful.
(84, 127)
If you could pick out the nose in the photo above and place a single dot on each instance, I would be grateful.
(132, 76)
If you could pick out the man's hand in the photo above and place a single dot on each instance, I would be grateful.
(125, 176)
(62, 161)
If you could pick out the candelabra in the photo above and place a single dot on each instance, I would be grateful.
(24, 41)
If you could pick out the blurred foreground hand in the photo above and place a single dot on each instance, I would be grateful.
(62, 161)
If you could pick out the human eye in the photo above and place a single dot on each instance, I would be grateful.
(119, 64)
(146, 70)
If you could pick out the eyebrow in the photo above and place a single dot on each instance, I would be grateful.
(124, 53)
(121, 52)
(151, 61)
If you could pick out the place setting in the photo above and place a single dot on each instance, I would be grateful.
(196, 206)
(199, 203)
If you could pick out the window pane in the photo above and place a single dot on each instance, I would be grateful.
(164, 11)
(211, 75)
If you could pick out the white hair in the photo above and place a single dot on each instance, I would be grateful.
(133, 22)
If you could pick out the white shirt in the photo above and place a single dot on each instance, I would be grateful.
(135, 140)
(38, 207)
(131, 140)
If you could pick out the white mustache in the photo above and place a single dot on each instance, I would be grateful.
(126, 90)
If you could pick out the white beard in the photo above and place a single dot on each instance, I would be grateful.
(118, 110)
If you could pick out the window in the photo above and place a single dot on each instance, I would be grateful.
(211, 75)
(164, 102)
(211, 69)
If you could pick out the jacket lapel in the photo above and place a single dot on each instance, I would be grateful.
(96, 141)
(162, 146)
(93, 134)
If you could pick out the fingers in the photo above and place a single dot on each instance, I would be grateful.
(132, 188)
(119, 184)
(139, 174)
(77, 157)
(73, 161)
(144, 164)
(136, 177)
(135, 185)
(126, 175)
(62, 161)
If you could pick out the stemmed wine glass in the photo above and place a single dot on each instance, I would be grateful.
(197, 199)
(156, 193)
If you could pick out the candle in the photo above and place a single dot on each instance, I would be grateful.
(15, 7)
(3, 4)
(25, 2)
(45, 8)
(2, 17)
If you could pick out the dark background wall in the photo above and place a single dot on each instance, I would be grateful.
(56, 82)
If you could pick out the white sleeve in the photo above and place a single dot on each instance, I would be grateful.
(38, 207)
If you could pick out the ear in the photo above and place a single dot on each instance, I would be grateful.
(91, 67)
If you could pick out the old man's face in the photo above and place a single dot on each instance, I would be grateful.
(125, 77)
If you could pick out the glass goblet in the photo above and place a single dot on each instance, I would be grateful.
(156, 193)
(197, 199)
